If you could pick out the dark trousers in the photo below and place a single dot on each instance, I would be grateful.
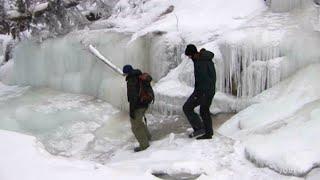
(204, 100)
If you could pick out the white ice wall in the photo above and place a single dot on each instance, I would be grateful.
(66, 64)
(165, 53)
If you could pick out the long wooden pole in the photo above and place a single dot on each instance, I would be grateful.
(96, 53)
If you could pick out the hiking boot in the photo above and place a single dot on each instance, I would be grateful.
(137, 149)
(205, 136)
(197, 133)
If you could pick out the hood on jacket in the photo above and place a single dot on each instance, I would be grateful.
(206, 55)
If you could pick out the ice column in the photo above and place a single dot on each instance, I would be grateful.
(237, 59)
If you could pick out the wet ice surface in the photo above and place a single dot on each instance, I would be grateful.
(65, 123)
(75, 125)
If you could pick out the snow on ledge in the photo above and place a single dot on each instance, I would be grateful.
(292, 150)
(281, 133)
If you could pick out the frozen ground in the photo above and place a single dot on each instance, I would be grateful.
(82, 127)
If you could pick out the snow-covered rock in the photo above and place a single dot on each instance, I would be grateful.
(280, 131)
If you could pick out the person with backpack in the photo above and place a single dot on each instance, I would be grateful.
(204, 91)
(140, 95)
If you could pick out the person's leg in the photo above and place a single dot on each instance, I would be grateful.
(205, 103)
(188, 109)
(139, 129)
(146, 127)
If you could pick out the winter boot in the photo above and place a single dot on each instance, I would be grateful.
(205, 136)
(137, 149)
(197, 133)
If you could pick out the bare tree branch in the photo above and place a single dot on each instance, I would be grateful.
(38, 10)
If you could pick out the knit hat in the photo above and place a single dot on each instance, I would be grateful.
(190, 50)
(127, 69)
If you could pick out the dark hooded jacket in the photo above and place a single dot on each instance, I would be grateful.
(204, 72)
(133, 88)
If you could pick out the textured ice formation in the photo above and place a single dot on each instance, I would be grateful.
(165, 53)
(286, 5)
(66, 64)
(67, 124)
(250, 65)
(238, 59)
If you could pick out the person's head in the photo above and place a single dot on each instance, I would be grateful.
(127, 69)
(191, 50)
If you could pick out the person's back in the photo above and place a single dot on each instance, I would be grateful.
(133, 86)
(204, 72)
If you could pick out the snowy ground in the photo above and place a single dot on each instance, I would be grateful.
(49, 115)
(172, 155)
(23, 158)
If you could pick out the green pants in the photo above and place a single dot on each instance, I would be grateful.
(139, 128)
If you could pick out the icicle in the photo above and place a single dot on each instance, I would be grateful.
(239, 70)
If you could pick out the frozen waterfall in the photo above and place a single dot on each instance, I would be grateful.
(242, 70)
(250, 67)
(66, 64)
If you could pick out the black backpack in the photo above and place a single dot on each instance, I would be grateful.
(146, 94)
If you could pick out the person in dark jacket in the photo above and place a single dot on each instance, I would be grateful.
(204, 91)
(136, 109)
